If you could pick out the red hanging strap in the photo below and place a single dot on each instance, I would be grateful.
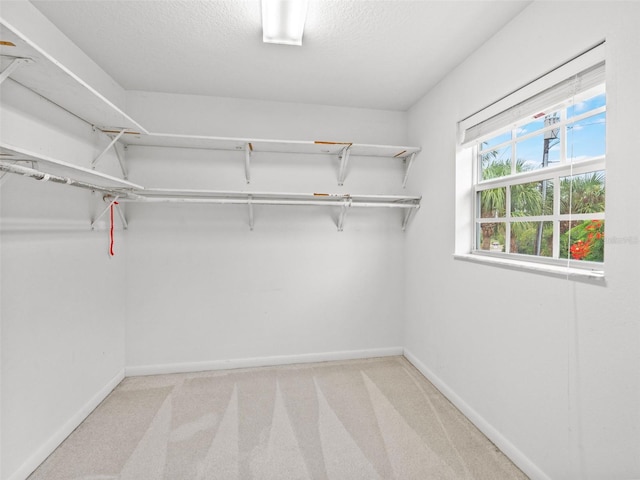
(111, 229)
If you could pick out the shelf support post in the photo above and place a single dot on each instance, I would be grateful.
(125, 224)
(247, 161)
(406, 169)
(17, 62)
(125, 174)
(343, 213)
(408, 215)
(95, 161)
(344, 160)
(115, 199)
(250, 204)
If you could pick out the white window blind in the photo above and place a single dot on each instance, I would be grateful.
(572, 78)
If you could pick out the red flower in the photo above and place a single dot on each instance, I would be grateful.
(579, 250)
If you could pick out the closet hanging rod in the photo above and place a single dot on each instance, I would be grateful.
(16, 153)
(49, 177)
(271, 201)
(199, 193)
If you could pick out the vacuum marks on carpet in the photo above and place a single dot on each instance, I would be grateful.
(374, 419)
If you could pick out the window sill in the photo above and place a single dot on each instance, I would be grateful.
(570, 273)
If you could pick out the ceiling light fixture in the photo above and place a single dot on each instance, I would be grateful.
(283, 21)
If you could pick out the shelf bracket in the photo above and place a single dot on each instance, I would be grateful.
(125, 174)
(344, 160)
(343, 213)
(102, 214)
(114, 140)
(408, 215)
(247, 161)
(17, 62)
(250, 204)
(125, 224)
(409, 161)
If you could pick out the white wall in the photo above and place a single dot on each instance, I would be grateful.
(187, 287)
(549, 368)
(553, 378)
(203, 288)
(62, 298)
(232, 117)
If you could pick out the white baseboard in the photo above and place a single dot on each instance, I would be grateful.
(260, 361)
(510, 450)
(57, 438)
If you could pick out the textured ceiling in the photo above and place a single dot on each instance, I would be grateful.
(357, 53)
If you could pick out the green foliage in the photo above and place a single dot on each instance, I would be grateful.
(578, 194)
(525, 238)
(493, 202)
(587, 241)
(583, 193)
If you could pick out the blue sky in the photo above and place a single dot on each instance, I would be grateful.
(585, 138)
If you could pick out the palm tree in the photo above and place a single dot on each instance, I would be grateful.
(531, 199)
(526, 199)
(493, 201)
(582, 193)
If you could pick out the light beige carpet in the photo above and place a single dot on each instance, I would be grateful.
(362, 419)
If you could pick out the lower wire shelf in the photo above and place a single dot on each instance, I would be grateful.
(407, 204)
(118, 191)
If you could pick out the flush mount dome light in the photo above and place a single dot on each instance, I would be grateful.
(283, 21)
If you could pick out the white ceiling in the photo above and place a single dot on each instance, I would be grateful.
(357, 53)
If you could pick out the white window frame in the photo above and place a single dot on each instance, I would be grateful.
(508, 113)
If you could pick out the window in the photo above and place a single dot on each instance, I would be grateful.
(538, 190)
